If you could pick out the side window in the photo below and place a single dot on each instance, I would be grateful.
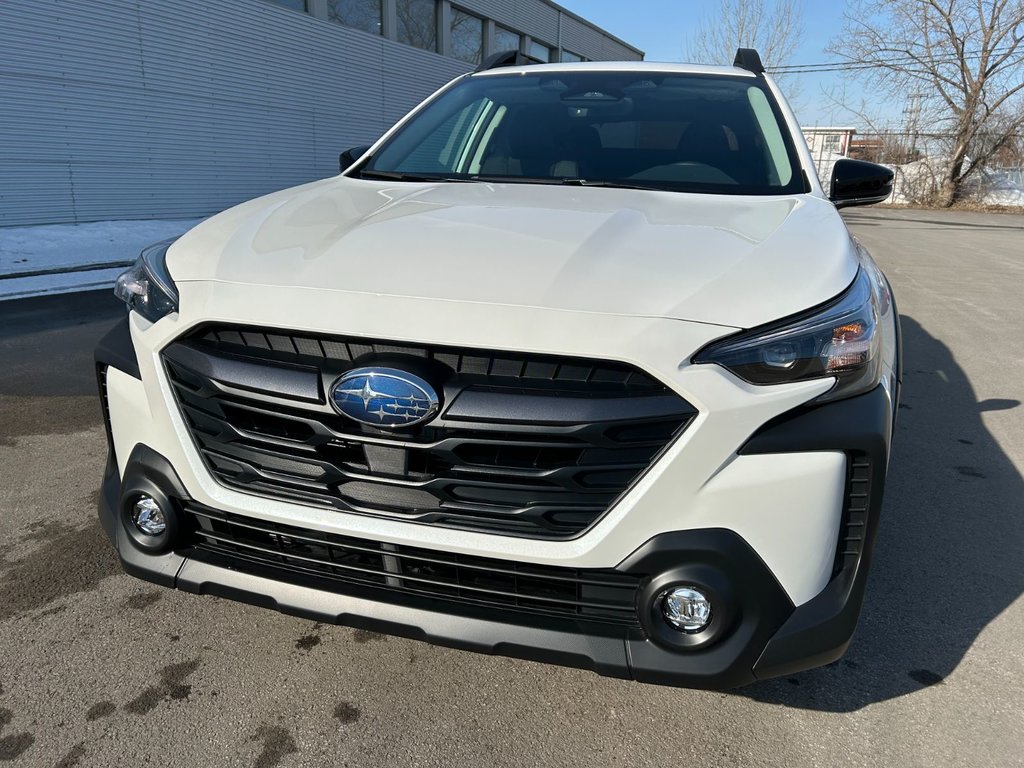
(539, 51)
(467, 38)
(506, 39)
(417, 23)
(359, 14)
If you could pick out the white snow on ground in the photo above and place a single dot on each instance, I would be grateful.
(105, 246)
(62, 282)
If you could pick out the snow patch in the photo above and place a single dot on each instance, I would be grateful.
(59, 258)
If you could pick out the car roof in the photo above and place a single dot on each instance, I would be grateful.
(619, 66)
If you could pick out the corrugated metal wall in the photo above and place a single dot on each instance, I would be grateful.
(123, 109)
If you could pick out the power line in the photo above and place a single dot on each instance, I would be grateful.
(845, 66)
(927, 134)
(901, 60)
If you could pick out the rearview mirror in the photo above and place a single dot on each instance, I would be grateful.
(348, 158)
(858, 182)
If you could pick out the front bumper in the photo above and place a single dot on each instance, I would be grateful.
(771, 634)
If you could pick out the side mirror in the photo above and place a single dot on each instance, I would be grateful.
(348, 158)
(858, 182)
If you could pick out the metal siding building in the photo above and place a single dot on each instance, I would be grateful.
(120, 109)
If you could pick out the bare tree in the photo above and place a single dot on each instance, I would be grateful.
(966, 58)
(773, 27)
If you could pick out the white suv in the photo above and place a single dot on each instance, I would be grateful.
(577, 363)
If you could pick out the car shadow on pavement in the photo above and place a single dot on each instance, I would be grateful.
(948, 554)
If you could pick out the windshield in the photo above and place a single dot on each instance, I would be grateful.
(681, 132)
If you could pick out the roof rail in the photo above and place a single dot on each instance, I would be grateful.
(749, 59)
(505, 59)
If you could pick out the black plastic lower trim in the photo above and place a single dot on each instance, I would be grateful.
(820, 630)
(753, 605)
(857, 424)
(709, 558)
(116, 349)
(584, 597)
(162, 568)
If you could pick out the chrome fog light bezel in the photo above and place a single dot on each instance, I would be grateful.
(717, 588)
(685, 608)
(148, 516)
(156, 539)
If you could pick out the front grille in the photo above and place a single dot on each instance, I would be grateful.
(525, 445)
(341, 563)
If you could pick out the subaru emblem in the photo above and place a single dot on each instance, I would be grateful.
(384, 397)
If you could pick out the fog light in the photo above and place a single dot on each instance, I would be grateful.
(686, 609)
(148, 517)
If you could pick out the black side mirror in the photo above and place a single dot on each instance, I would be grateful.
(858, 182)
(348, 158)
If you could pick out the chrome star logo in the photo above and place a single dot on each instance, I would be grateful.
(384, 397)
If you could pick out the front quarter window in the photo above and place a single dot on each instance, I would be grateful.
(780, 170)
(719, 134)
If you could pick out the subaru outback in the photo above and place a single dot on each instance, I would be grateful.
(577, 363)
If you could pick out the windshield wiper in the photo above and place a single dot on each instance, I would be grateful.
(565, 181)
(519, 179)
(399, 176)
(618, 185)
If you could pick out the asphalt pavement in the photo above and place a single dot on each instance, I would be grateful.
(100, 669)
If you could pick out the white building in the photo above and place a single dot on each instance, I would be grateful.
(119, 109)
(829, 141)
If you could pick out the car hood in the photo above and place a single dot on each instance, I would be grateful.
(726, 260)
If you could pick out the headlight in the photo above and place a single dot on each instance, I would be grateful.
(146, 286)
(840, 340)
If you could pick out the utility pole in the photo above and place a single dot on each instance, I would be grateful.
(911, 123)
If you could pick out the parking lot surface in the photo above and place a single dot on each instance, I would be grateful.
(100, 669)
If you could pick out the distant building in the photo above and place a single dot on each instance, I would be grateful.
(180, 108)
(829, 141)
(870, 148)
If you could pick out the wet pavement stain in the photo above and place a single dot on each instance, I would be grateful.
(346, 713)
(66, 562)
(277, 744)
(100, 709)
(13, 746)
(144, 600)
(59, 415)
(307, 643)
(171, 686)
(366, 636)
(73, 757)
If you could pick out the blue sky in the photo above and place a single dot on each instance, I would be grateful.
(661, 28)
